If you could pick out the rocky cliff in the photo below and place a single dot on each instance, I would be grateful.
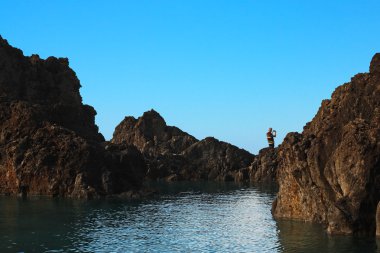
(331, 172)
(172, 154)
(49, 143)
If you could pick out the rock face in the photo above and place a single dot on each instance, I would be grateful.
(172, 154)
(264, 167)
(49, 143)
(210, 159)
(331, 172)
(152, 136)
(378, 220)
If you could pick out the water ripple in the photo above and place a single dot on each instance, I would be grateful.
(185, 218)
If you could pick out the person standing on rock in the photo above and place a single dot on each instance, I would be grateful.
(270, 137)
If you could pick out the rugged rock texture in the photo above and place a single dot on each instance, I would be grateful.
(49, 143)
(331, 172)
(262, 170)
(210, 159)
(175, 155)
(152, 136)
(378, 220)
(264, 167)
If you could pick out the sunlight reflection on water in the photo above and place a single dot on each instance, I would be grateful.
(187, 217)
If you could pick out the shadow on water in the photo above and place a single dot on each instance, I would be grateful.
(185, 217)
(298, 236)
(35, 224)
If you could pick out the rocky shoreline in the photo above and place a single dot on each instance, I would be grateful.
(173, 155)
(50, 145)
(330, 173)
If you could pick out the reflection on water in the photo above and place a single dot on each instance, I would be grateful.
(186, 217)
(297, 236)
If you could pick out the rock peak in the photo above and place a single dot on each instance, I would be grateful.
(152, 114)
(3, 42)
(375, 64)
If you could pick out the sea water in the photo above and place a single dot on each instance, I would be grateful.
(185, 217)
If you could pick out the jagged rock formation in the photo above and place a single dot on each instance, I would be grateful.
(175, 155)
(263, 168)
(331, 172)
(49, 143)
(215, 160)
(152, 136)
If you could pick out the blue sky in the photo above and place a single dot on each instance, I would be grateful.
(228, 69)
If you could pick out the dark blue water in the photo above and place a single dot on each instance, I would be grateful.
(186, 217)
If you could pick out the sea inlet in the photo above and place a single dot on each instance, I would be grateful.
(184, 217)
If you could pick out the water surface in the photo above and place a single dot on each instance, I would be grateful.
(186, 217)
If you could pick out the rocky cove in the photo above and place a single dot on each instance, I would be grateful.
(50, 145)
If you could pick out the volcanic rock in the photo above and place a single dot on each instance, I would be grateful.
(211, 159)
(331, 172)
(49, 143)
(151, 135)
(378, 220)
(264, 167)
(172, 154)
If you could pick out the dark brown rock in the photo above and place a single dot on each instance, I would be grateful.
(378, 220)
(375, 65)
(49, 143)
(331, 172)
(211, 159)
(152, 136)
(172, 154)
(264, 167)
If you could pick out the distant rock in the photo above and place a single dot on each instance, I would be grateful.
(172, 154)
(152, 136)
(211, 159)
(331, 172)
(49, 143)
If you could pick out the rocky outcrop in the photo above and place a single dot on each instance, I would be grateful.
(262, 170)
(331, 172)
(264, 167)
(152, 136)
(49, 143)
(211, 159)
(172, 154)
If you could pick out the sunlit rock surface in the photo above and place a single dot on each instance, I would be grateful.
(330, 173)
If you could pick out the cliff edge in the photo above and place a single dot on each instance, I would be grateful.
(49, 143)
(330, 173)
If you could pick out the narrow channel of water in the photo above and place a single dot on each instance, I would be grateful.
(186, 217)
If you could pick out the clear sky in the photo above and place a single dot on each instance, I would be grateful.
(228, 69)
